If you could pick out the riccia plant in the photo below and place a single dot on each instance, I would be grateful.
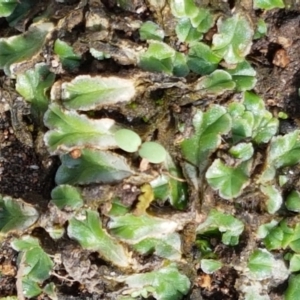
(129, 184)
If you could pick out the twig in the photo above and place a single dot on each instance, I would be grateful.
(19, 283)
(173, 177)
(62, 277)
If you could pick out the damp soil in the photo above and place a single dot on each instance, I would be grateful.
(26, 174)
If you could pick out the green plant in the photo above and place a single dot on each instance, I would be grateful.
(16, 214)
(18, 48)
(283, 152)
(169, 247)
(208, 129)
(15, 11)
(209, 266)
(268, 4)
(193, 22)
(160, 57)
(261, 29)
(186, 32)
(216, 83)
(242, 151)
(293, 288)
(153, 152)
(282, 236)
(33, 85)
(134, 228)
(170, 186)
(71, 130)
(7, 7)
(151, 31)
(35, 263)
(93, 166)
(127, 140)
(68, 58)
(274, 198)
(293, 201)
(67, 197)
(85, 92)
(262, 265)
(90, 234)
(230, 181)
(218, 153)
(295, 263)
(166, 283)
(234, 38)
(252, 119)
(244, 76)
(230, 227)
(201, 59)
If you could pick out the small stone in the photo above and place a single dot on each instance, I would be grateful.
(284, 42)
(281, 58)
(76, 153)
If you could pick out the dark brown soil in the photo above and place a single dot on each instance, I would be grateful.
(8, 270)
(279, 75)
